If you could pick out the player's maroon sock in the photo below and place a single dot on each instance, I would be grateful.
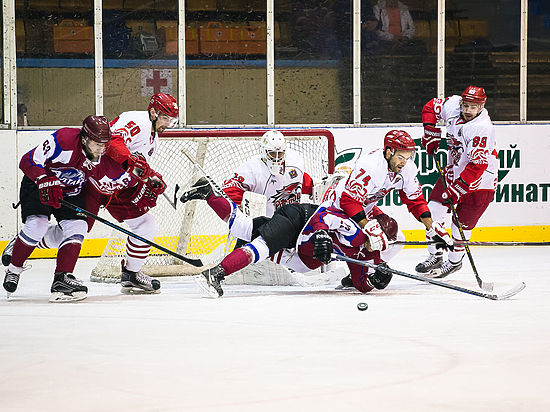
(220, 205)
(21, 252)
(67, 257)
(236, 260)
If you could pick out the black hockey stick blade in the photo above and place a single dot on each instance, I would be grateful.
(194, 262)
(492, 296)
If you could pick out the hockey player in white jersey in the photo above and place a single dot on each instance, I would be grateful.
(277, 172)
(470, 173)
(373, 177)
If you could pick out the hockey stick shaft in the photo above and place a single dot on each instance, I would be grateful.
(469, 243)
(194, 262)
(483, 285)
(510, 293)
(172, 202)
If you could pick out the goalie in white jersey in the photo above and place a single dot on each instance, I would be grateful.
(277, 172)
(471, 171)
(373, 177)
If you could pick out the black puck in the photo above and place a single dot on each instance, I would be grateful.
(362, 306)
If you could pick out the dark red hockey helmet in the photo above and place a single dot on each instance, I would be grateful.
(399, 140)
(474, 94)
(388, 225)
(97, 129)
(164, 103)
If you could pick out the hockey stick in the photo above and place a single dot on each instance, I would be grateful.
(194, 262)
(174, 202)
(514, 291)
(469, 243)
(483, 285)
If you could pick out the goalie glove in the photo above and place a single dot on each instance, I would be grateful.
(455, 191)
(322, 246)
(138, 166)
(50, 191)
(379, 279)
(377, 238)
(438, 234)
(431, 139)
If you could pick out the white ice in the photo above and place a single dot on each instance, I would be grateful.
(418, 347)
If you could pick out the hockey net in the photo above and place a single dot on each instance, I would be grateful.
(193, 229)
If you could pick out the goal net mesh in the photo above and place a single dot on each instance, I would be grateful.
(193, 229)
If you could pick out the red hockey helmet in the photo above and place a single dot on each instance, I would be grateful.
(399, 140)
(474, 94)
(97, 129)
(164, 103)
(389, 225)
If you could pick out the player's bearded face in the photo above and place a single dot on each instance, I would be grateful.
(94, 149)
(164, 122)
(399, 159)
(470, 110)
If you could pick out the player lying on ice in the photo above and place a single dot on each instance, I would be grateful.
(300, 237)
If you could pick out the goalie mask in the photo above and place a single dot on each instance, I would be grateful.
(273, 147)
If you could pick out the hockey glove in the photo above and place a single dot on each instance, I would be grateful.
(156, 183)
(431, 139)
(453, 192)
(138, 166)
(379, 279)
(322, 246)
(439, 235)
(50, 191)
(146, 193)
(377, 238)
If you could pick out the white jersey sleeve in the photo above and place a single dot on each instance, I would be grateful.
(136, 129)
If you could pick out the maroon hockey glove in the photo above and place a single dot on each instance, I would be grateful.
(138, 166)
(50, 191)
(379, 279)
(322, 246)
(431, 139)
(455, 191)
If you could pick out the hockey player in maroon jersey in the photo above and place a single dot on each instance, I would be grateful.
(56, 169)
(300, 237)
(471, 170)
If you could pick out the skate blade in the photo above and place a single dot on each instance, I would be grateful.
(59, 297)
(342, 287)
(201, 281)
(132, 290)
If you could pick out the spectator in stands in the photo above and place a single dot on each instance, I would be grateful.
(369, 28)
(396, 27)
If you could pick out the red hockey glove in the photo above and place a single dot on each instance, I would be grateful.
(431, 139)
(156, 183)
(377, 238)
(138, 166)
(455, 191)
(322, 246)
(146, 193)
(439, 235)
(50, 191)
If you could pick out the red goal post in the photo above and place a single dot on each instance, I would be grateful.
(192, 229)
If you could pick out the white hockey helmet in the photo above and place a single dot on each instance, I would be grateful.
(273, 147)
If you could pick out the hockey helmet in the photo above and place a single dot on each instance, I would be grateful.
(97, 129)
(389, 225)
(474, 94)
(399, 140)
(273, 147)
(165, 104)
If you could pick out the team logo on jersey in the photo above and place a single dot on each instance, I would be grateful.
(108, 185)
(292, 173)
(288, 194)
(70, 177)
(375, 197)
(455, 148)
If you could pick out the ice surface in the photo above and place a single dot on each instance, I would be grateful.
(418, 347)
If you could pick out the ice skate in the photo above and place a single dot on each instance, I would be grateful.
(6, 254)
(428, 267)
(345, 284)
(11, 280)
(137, 282)
(447, 268)
(210, 279)
(67, 288)
(199, 191)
